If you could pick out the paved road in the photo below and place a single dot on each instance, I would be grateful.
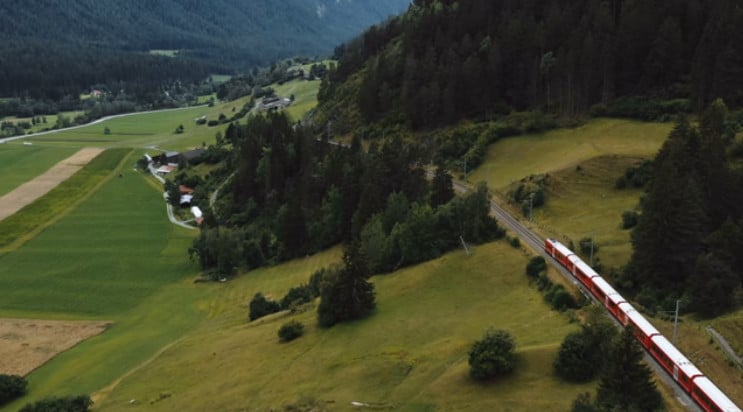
(536, 243)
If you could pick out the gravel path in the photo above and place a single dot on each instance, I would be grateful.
(729, 351)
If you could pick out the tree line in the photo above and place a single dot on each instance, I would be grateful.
(689, 233)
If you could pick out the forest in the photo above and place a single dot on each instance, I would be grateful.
(448, 60)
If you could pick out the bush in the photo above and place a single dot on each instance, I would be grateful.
(80, 403)
(573, 362)
(297, 295)
(260, 307)
(212, 123)
(11, 387)
(629, 219)
(559, 298)
(290, 331)
(493, 355)
(536, 266)
(515, 242)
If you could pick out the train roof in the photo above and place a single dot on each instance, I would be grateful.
(606, 288)
(716, 395)
(638, 320)
(561, 248)
(676, 356)
(584, 267)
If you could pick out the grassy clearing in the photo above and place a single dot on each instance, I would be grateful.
(513, 158)
(51, 206)
(220, 78)
(305, 96)
(20, 163)
(162, 52)
(411, 352)
(583, 203)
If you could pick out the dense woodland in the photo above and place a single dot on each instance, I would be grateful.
(291, 195)
(689, 236)
(446, 60)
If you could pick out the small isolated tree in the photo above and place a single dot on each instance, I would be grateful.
(260, 306)
(180, 129)
(587, 244)
(536, 266)
(629, 219)
(106, 130)
(627, 383)
(290, 331)
(349, 295)
(493, 355)
(81, 403)
(11, 387)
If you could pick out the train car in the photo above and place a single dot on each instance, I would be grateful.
(583, 272)
(607, 295)
(558, 251)
(710, 397)
(642, 329)
(674, 362)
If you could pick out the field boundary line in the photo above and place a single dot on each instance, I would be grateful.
(63, 213)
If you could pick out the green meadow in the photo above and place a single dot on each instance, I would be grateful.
(51, 119)
(305, 96)
(514, 158)
(581, 201)
(411, 353)
(21, 163)
(148, 130)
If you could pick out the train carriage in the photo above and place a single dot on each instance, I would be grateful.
(710, 397)
(607, 295)
(674, 362)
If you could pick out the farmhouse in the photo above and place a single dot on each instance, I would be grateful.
(274, 102)
(192, 154)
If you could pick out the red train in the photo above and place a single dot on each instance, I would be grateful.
(692, 380)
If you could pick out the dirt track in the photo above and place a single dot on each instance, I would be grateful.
(42, 184)
(27, 344)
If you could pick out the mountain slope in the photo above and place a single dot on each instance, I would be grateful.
(246, 31)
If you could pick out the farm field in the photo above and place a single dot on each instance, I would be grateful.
(19, 163)
(412, 353)
(51, 119)
(148, 130)
(305, 96)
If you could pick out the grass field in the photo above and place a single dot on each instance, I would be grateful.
(20, 163)
(513, 158)
(148, 130)
(411, 353)
(579, 203)
(163, 52)
(305, 96)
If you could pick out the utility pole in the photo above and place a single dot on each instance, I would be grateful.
(592, 234)
(531, 207)
(676, 321)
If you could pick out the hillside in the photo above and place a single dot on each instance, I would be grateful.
(226, 34)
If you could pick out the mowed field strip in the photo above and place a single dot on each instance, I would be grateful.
(26, 344)
(26, 193)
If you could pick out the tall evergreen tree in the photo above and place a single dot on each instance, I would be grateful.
(349, 296)
(442, 187)
(627, 383)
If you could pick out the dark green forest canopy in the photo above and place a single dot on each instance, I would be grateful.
(291, 195)
(52, 48)
(447, 60)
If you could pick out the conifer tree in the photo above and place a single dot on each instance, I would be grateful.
(627, 383)
(349, 296)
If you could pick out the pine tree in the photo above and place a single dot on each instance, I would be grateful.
(627, 383)
(349, 296)
(442, 188)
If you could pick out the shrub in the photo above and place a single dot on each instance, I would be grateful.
(629, 219)
(260, 307)
(536, 266)
(11, 387)
(80, 403)
(493, 355)
(290, 331)
(514, 241)
(213, 123)
(559, 298)
(296, 296)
